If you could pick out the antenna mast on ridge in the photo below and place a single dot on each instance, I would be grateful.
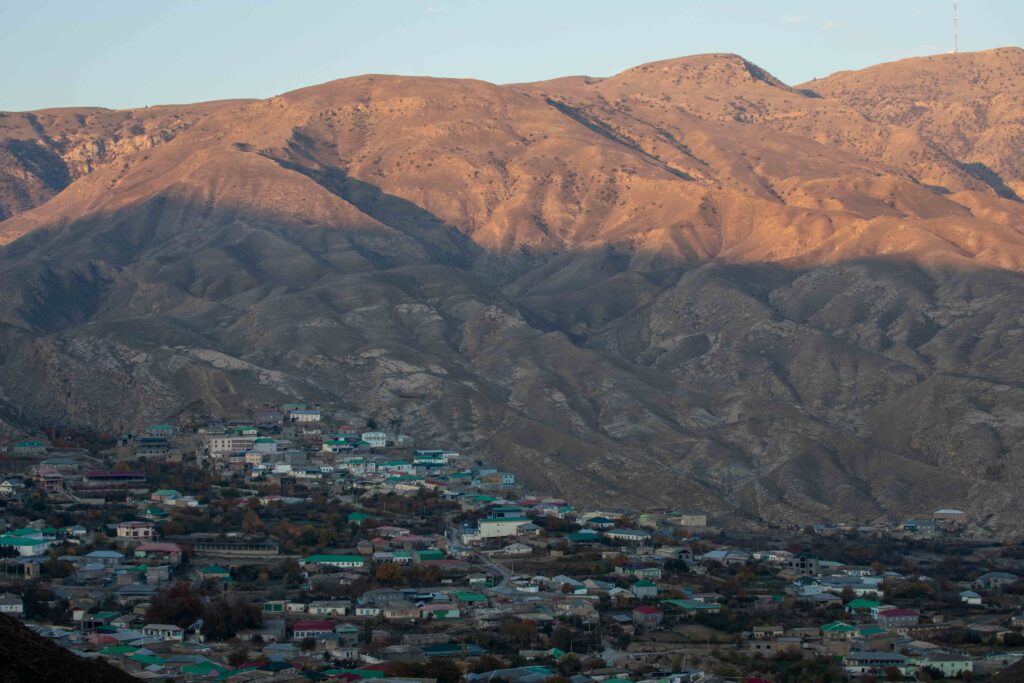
(956, 46)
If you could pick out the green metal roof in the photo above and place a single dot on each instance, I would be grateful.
(19, 542)
(336, 558)
(838, 627)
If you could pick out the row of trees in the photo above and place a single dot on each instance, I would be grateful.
(223, 616)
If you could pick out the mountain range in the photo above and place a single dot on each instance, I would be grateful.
(688, 285)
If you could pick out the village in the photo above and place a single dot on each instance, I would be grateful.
(297, 546)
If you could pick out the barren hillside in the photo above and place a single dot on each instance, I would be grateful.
(688, 284)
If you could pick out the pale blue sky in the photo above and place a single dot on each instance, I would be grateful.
(117, 53)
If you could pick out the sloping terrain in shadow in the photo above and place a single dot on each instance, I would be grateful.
(687, 285)
(28, 658)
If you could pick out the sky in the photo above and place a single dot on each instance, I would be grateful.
(120, 54)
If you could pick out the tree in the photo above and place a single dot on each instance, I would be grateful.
(561, 638)
(327, 538)
(1013, 639)
(486, 663)
(251, 522)
(224, 617)
(522, 631)
(291, 572)
(307, 644)
(238, 657)
(179, 605)
(389, 574)
(444, 670)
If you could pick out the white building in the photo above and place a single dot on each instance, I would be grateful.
(135, 531)
(26, 547)
(11, 605)
(164, 631)
(501, 528)
(222, 445)
(265, 445)
(375, 439)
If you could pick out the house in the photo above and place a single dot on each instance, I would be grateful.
(134, 593)
(336, 446)
(164, 631)
(151, 445)
(694, 606)
(30, 447)
(585, 536)
(155, 514)
(161, 431)
(970, 598)
(770, 647)
(348, 635)
(319, 630)
(453, 650)
(26, 547)
(135, 531)
(516, 549)
(951, 665)
(49, 479)
(221, 445)
(644, 589)
(688, 519)
(340, 561)
(650, 572)
(329, 608)
(805, 586)
(861, 606)
(12, 488)
(170, 552)
(275, 606)
(646, 616)
(860, 663)
(995, 580)
(500, 528)
(11, 605)
(375, 439)
(628, 535)
(304, 416)
(95, 481)
(440, 610)
(164, 495)
(766, 632)
(838, 630)
(897, 618)
(803, 564)
(213, 572)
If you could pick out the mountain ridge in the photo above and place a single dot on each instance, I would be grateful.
(686, 284)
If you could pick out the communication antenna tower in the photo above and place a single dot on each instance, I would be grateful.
(956, 37)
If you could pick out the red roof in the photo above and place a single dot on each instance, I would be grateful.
(898, 612)
(647, 609)
(323, 625)
(159, 548)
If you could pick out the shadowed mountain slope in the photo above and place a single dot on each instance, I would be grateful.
(688, 284)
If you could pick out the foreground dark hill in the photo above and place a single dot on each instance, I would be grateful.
(29, 658)
(688, 284)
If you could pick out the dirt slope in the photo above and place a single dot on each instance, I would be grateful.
(688, 284)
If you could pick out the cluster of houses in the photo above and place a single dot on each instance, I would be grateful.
(422, 585)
